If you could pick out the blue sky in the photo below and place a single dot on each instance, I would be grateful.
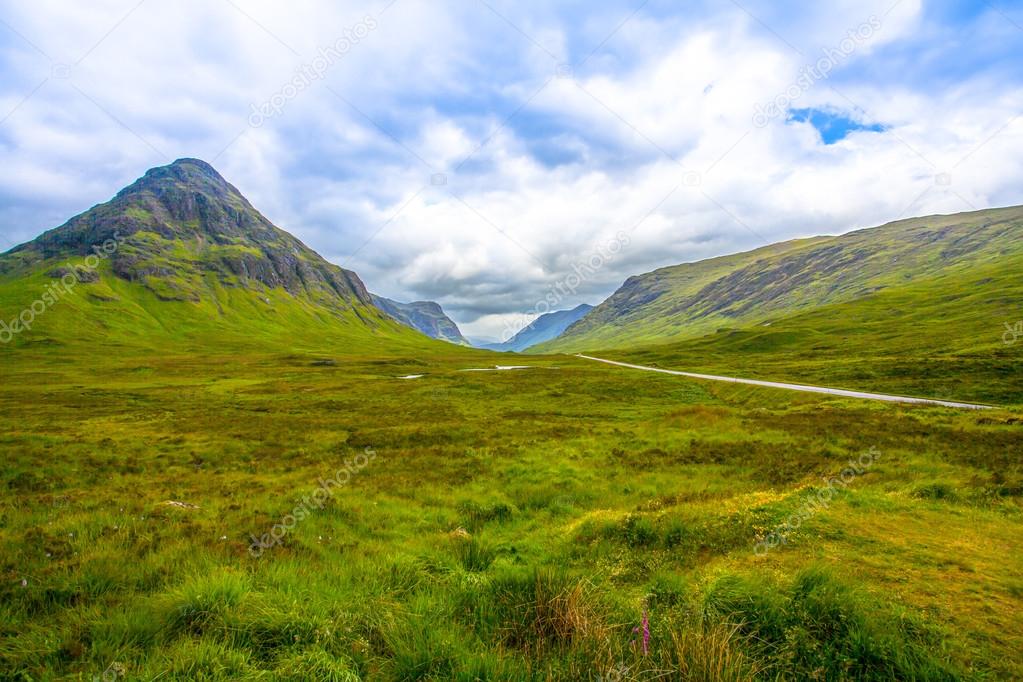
(477, 152)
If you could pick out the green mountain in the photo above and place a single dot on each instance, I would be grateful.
(181, 256)
(544, 328)
(424, 316)
(938, 262)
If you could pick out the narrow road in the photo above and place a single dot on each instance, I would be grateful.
(799, 387)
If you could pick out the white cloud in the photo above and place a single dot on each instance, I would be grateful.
(557, 176)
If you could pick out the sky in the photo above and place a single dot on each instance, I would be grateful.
(508, 157)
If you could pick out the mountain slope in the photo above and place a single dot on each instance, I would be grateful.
(769, 284)
(544, 328)
(482, 341)
(939, 337)
(424, 316)
(180, 255)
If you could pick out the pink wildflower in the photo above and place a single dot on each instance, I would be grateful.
(646, 633)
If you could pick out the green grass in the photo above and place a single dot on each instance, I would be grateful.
(939, 337)
(907, 341)
(915, 308)
(936, 284)
(512, 525)
(208, 476)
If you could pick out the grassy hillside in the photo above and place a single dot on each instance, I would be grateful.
(940, 337)
(217, 467)
(971, 257)
(181, 260)
(117, 314)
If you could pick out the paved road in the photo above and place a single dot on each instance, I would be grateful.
(799, 387)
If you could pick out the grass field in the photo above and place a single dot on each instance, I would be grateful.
(908, 341)
(926, 285)
(492, 525)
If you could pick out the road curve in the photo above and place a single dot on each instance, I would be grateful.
(798, 387)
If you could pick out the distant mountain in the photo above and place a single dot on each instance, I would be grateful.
(544, 328)
(980, 252)
(424, 316)
(482, 341)
(181, 255)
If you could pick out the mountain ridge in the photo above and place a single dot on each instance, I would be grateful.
(191, 259)
(547, 327)
(427, 317)
(190, 201)
(755, 287)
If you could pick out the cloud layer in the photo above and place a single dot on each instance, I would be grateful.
(479, 153)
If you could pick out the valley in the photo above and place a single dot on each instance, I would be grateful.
(498, 341)
(225, 459)
(511, 525)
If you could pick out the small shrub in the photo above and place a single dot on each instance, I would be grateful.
(475, 515)
(936, 491)
(676, 534)
(202, 603)
(638, 531)
(540, 610)
(667, 590)
(1007, 484)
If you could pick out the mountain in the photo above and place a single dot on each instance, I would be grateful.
(482, 341)
(425, 316)
(935, 262)
(180, 255)
(544, 328)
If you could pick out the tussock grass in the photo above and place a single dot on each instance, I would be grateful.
(711, 654)
(533, 610)
(484, 542)
(818, 627)
(473, 553)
